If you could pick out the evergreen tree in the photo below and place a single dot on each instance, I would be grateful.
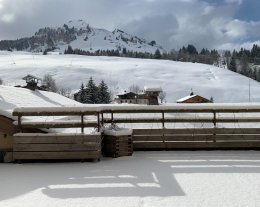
(191, 49)
(91, 92)
(103, 93)
(82, 94)
(69, 50)
(233, 65)
(245, 69)
(157, 54)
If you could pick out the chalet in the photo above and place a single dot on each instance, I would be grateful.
(131, 98)
(148, 97)
(152, 94)
(32, 82)
(192, 98)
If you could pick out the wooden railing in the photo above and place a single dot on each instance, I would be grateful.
(182, 126)
(56, 123)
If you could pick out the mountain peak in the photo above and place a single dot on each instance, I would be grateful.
(80, 35)
(77, 24)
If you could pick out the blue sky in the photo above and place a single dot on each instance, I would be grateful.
(220, 24)
(248, 10)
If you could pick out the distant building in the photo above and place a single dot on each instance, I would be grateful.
(148, 97)
(192, 98)
(32, 83)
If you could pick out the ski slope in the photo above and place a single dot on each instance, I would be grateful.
(176, 78)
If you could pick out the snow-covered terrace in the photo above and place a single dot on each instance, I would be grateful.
(154, 179)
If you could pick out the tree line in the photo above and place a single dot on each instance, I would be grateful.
(185, 54)
(243, 61)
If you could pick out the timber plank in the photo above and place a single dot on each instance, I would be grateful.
(57, 139)
(56, 155)
(197, 145)
(197, 131)
(56, 147)
(33, 125)
(167, 137)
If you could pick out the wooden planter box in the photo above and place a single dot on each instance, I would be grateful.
(117, 143)
(56, 146)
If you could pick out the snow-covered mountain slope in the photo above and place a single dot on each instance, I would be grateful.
(176, 78)
(80, 35)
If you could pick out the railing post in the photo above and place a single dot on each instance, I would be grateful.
(112, 117)
(215, 124)
(163, 126)
(20, 122)
(98, 121)
(163, 120)
(102, 118)
(82, 123)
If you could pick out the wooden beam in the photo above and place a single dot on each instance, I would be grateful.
(197, 131)
(52, 139)
(34, 125)
(56, 155)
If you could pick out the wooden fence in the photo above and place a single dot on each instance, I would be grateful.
(226, 127)
(194, 126)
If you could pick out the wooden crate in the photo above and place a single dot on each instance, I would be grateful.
(117, 146)
(56, 146)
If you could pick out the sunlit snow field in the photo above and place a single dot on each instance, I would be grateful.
(200, 178)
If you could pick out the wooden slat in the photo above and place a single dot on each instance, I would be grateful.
(183, 110)
(197, 131)
(90, 146)
(56, 155)
(33, 125)
(57, 139)
(54, 113)
(173, 131)
(197, 138)
(160, 120)
(196, 145)
(184, 120)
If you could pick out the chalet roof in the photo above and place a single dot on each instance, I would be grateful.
(152, 89)
(31, 76)
(186, 98)
(125, 92)
(12, 97)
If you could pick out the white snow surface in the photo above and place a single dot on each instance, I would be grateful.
(175, 78)
(154, 179)
(12, 97)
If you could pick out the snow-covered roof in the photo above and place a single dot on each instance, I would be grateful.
(12, 97)
(185, 98)
(31, 76)
(152, 89)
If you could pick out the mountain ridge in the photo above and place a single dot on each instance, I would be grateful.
(81, 35)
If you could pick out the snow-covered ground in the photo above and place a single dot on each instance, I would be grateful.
(176, 78)
(214, 178)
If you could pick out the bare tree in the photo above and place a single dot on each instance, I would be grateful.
(162, 96)
(1, 81)
(49, 83)
(67, 92)
(135, 88)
